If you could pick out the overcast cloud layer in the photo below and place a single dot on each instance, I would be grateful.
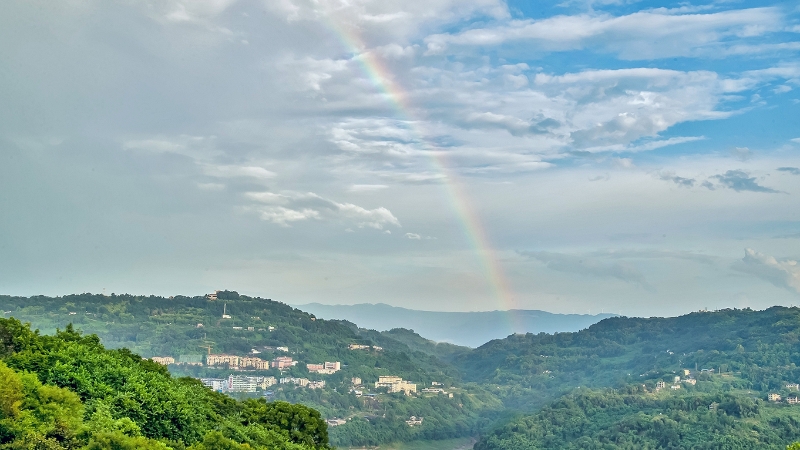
(633, 157)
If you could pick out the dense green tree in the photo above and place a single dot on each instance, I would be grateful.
(67, 391)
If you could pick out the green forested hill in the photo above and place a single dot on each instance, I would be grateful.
(749, 353)
(736, 358)
(66, 391)
(638, 418)
(153, 326)
(158, 326)
(762, 346)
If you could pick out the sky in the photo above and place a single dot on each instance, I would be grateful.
(633, 157)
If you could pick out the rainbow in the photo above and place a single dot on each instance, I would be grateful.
(469, 220)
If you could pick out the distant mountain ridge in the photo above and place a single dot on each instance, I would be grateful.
(470, 329)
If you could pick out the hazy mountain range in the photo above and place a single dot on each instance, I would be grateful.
(463, 328)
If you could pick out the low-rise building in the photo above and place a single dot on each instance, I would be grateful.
(216, 384)
(414, 420)
(395, 384)
(773, 397)
(254, 363)
(358, 347)
(302, 382)
(191, 360)
(335, 422)
(675, 387)
(164, 360)
(267, 382)
(240, 383)
(316, 384)
(691, 381)
(356, 381)
(220, 360)
(283, 362)
(793, 386)
(433, 391)
(792, 400)
(325, 368)
(660, 385)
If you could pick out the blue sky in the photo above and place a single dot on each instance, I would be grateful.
(633, 157)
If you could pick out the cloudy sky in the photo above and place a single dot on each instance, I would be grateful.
(622, 156)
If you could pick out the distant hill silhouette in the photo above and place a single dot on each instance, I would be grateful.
(462, 328)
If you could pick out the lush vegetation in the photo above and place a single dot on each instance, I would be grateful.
(590, 388)
(67, 391)
(157, 326)
(736, 356)
(153, 326)
(638, 418)
(759, 346)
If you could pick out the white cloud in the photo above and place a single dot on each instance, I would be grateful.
(782, 273)
(193, 146)
(486, 128)
(623, 163)
(381, 21)
(414, 177)
(618, 107)
(742, 153)
(231, 171)
(183, 10)
(311, 73)
(297, 111)
(659, 143)
(367, 187)
(641, 35)
(288, 206)
(513, 125)
(418, 237)
(759, 49)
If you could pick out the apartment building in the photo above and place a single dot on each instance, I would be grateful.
(283, 362)
(164, 360)
(221, 360)
(395, 384)
(239, 383)
(253, 363)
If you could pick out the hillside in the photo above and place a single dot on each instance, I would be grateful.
(637, 417)
(66, 391)
(186, 327)
(740, 353)
(759, 345)
(469, 329)
(153, 326)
